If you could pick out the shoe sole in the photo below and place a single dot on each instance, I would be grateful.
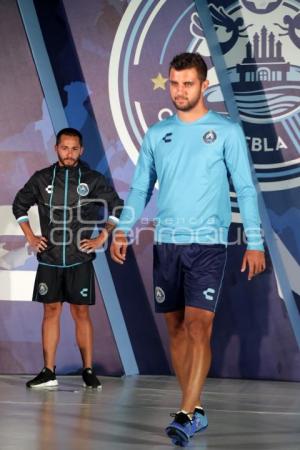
(177, 437)
(98, 388)
(51, 383)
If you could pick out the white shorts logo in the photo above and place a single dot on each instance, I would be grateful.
(209, 294)
(43, 289)
(84, 292)
(159, 295)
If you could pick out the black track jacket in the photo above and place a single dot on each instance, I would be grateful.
(69, 202)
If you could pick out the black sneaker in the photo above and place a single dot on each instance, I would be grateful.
(90, 380)
(46, 378)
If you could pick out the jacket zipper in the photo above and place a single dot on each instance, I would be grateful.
(65, 214)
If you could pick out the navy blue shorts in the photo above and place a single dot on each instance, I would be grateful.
(188, 275)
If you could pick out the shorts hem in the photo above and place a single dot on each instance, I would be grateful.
(169, 309)
(49, 302)
(183, 307)
(38, 300)
(202, 307)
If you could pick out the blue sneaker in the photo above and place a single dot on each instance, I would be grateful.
(181, 429)
(200, 419)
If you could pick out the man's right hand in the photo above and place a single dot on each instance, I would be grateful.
(118, 248)
(38, 243)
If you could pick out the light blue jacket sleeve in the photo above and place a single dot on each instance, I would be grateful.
(236, 158)
(141, 187)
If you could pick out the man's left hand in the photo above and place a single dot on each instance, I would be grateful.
(90, 245)
(256, 262)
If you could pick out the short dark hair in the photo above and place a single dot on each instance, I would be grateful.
(189, 61)
(69, 132)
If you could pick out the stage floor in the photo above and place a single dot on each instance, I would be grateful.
(130, 413)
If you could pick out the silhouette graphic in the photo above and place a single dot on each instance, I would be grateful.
(293, 24)
(233, 27)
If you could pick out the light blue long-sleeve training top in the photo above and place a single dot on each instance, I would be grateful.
(189, 160)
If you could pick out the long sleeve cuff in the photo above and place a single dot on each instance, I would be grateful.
(255, 239)
(113, 219)
(22, 219)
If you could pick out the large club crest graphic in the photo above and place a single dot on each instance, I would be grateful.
(260, 42)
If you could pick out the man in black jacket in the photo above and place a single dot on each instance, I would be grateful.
(69, 196)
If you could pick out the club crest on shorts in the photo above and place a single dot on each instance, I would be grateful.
(83, 189)
(160, 296)
(43, 289)
(209, 137)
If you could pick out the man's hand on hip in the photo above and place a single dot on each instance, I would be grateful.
(90, 245)
(38, 243)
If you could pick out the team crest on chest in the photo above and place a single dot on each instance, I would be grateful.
(83, 189)
(209, 137)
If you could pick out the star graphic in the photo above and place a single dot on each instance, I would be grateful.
(159, 82)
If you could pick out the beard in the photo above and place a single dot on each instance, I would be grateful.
(68, 162)
(186, 105)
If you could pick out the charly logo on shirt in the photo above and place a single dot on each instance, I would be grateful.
(167, 137)
(160, 295)
(209, 137)
(260, 41)
(83, 189)
(49, 189)
(43, 288)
